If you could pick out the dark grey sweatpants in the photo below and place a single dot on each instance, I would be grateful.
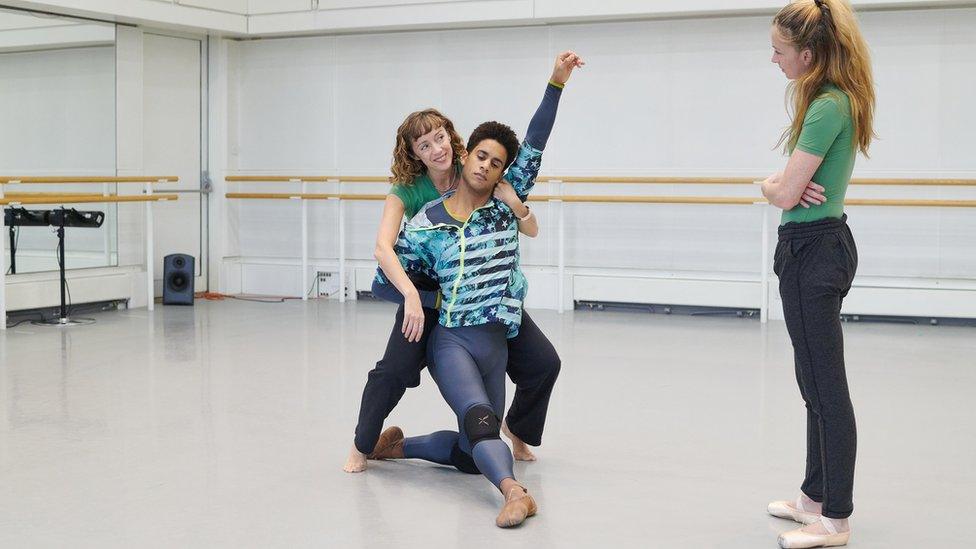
(815, 263)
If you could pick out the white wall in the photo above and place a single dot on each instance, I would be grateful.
(57, 108)
(220, 16)
(171, 140)
(282, 17)
(61, 104)
(691, 96)
(22, 31)
(371, 15)
(159, 87)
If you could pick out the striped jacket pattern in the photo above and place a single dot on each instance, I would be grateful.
(477, 264)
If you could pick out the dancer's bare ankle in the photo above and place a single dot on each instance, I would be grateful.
(520, 450)
(810, 505)
(356, 462)
(511, 489)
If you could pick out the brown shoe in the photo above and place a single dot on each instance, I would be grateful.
(389, 445)
(516, 511)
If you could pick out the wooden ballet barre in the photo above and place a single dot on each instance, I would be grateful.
(306, 179)
(730, 200)
(364, 179)
(305, 196)
(87, 179)
(668, 180)
(385, 179)
(42, 194)
(596, 180)
(48, 198)
(75, 199)
(277, 178)
(745, 200)
(918, 182)
(282, 196)
(911, 203)
(678, 180)
(647, 199)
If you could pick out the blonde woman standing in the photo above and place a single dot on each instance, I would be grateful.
(819, 47)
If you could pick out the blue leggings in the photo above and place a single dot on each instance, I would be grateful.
(468, 365)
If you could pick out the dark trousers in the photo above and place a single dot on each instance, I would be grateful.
(815, 263)
(533, 365)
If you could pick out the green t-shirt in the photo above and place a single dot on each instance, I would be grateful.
(416, 194)
(828, 132)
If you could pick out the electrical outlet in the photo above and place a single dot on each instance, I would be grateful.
(328, 284)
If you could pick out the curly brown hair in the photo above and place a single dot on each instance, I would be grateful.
(496, 131)
(407, 167)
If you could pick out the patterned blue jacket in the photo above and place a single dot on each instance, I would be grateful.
(476, 264)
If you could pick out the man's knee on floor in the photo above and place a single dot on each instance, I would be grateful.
(481, 423)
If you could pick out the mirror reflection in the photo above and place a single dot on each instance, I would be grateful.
(57, 114)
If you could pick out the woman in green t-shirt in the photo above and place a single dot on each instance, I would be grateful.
(818, 46)
(425, 165)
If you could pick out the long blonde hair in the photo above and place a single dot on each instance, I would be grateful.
(407, 167)
(829, 29)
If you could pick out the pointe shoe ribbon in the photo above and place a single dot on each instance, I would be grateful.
(792, 511)
(798, 539)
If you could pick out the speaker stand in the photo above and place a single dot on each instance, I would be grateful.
(13, 250)
(62, 319)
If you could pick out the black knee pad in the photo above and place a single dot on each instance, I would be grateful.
(481, 423)
(463, 462)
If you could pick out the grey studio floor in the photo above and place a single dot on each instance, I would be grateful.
(226, 425)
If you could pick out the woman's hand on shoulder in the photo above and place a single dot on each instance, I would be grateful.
(506, 193)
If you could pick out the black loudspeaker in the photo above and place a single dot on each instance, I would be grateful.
(178, 273)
